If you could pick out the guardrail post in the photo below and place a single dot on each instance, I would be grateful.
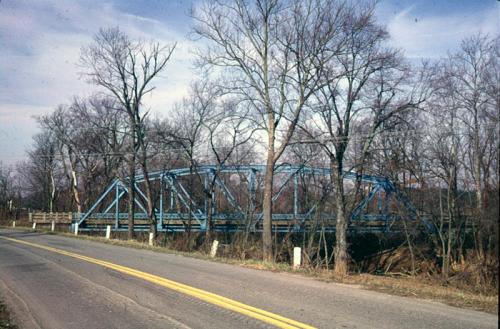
(213, 250)
(53, 226)
(108, 231)
(151, 236)
(297, 257)
(76, 228)
(14, 224)
(34, 225)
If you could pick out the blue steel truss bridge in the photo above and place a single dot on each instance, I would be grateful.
(302, 201)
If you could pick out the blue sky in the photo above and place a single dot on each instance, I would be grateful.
(40, 42)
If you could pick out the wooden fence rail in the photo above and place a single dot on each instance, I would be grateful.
(48, 217)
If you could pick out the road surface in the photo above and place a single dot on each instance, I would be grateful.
(52, 281)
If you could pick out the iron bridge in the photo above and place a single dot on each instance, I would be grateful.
(236, 203)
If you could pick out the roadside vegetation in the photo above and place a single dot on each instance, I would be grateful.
(5, 319)
(312, 83)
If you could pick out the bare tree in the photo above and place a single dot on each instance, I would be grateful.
(444, 163)
(185, 131)
(40, 174)
(103, 131)
(88, 136)
(9, 192)
(61, 126)
(364, 85)
(470, 74)
(271, 54)
(228, 129)
(126, 69)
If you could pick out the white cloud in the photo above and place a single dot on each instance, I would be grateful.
(40, 45)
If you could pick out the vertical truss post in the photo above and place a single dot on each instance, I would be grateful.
(295, 195)
(172, 198)
(117, 206)
(205, 183)
(162, 190)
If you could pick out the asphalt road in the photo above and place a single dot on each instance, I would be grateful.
(47, 289)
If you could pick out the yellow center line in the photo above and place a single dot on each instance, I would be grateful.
(230, 304)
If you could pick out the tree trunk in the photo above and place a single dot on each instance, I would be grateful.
(479, 206)
(340, 251)
(52, 191)
(444, 261)
(477, 181)
(74, 188)
(267, 204)
(72, 177)
(208, 229)
(452, 211)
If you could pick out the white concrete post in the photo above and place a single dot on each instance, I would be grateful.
(151, 238)
(34, 225)
(108, 232)
(14, 224)
(297, 257)
(53, 226)
(76, 228)
(213, 251)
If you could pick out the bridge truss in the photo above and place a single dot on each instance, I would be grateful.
(302, 200)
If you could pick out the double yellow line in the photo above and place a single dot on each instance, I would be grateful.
(250, 311)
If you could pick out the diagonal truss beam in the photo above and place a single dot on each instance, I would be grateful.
(291, 175)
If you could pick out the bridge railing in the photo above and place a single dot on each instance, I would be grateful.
(49, 217)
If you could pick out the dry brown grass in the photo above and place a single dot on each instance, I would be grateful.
(420, 287)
